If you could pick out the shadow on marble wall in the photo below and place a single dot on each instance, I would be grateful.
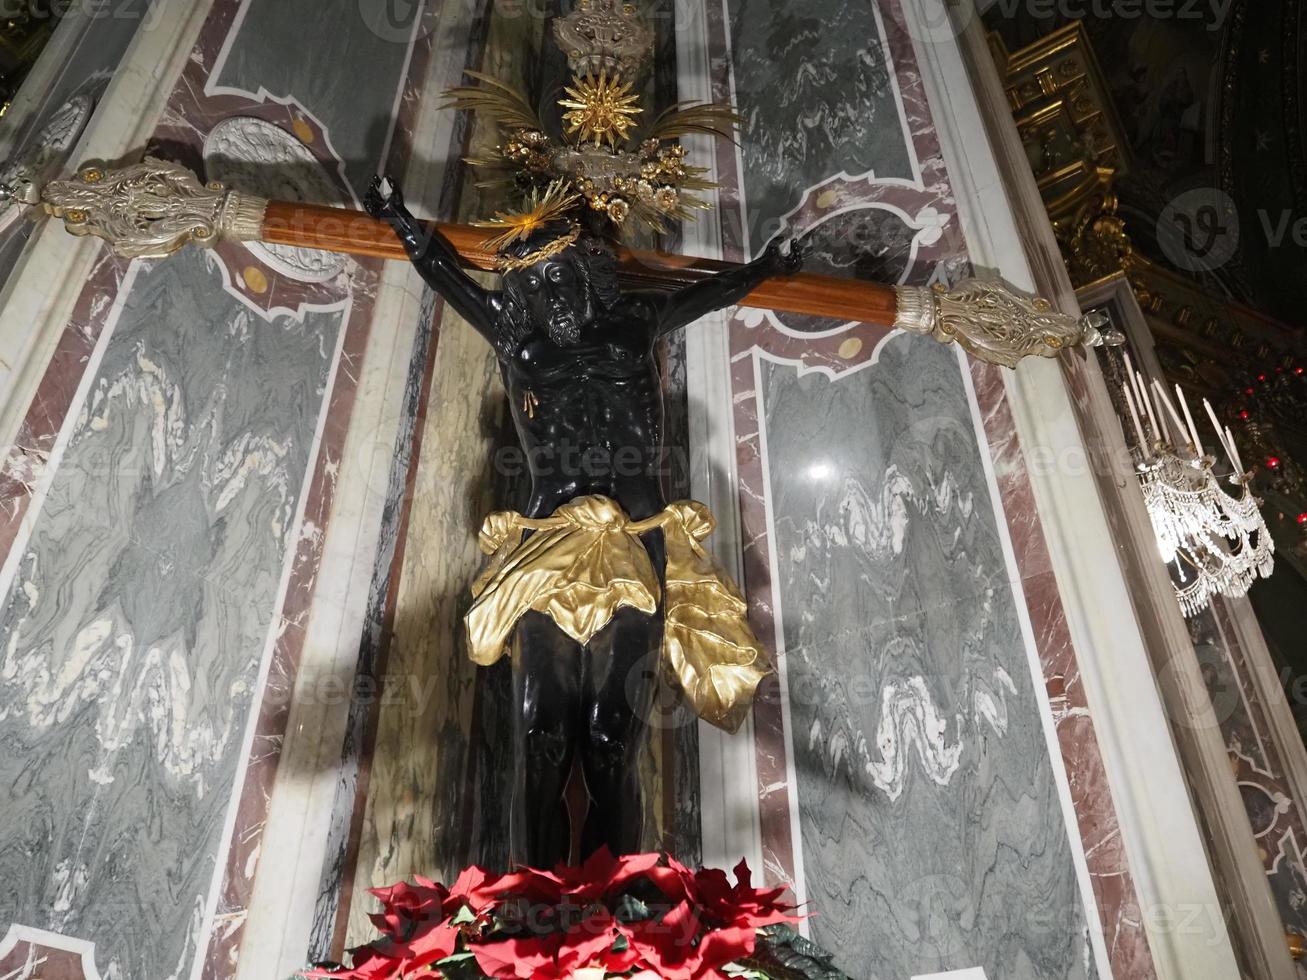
(344, 54)
(281, 181)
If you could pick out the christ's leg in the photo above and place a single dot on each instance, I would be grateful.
(621, 680)
(547, 668)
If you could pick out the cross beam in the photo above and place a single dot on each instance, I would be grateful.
(153, 208)
(341, 230)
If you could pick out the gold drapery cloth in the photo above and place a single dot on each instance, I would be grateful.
(586, 561)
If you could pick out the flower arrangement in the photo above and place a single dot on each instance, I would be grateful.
(641, 916)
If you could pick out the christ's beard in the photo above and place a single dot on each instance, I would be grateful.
(564, 329)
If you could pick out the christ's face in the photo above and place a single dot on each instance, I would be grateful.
(557, 297)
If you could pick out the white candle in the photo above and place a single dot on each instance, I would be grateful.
(1238, 460)
(1148, 407)
(1160, 394)
(1193, 429)
(1134, 417)
(1136, 382)
(1220, 433)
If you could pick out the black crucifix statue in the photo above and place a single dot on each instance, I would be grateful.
(601, 584)
(587, 608)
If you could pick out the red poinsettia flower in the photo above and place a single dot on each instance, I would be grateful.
(554, 955)
(711, 923)
(601, 874)
(403, 905)
(679, 947)
(474, 888)
(739, 905)
(720, 902)
(674, 879)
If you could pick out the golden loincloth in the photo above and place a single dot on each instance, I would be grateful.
(586, 561)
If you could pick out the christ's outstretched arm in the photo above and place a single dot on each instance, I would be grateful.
(728, 288)
(435, 258)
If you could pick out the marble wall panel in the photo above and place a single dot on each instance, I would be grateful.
(133, 651)
(159, 605)
(928, 777)
(354, 770)
(1119, 914)
(418, 801)
(932, 833)
(815, 88)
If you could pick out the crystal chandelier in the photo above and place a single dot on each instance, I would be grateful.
(1216, 541)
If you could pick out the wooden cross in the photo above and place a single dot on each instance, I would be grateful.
(153, 208)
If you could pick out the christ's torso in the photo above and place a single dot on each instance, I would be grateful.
(589, 415)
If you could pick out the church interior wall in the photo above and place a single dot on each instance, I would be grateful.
(240, 511)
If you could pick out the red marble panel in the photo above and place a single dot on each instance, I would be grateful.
(1091, 796)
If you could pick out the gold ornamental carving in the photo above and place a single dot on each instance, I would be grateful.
(151, 209)
(991, 323)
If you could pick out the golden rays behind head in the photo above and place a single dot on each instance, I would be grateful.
(540, 209)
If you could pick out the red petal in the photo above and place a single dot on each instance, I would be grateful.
(530, 883)
(667, 944)
(634, 866)
(587, 941)
(722, 946)
(475, 888)
(670, 882)
(516, 957)
(431, 946)
(743, 876)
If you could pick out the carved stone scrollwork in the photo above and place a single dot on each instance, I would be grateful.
(152, 208)
(248, 152)
(991, 323)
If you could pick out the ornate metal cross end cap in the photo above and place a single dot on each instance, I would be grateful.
(152, 208)
(992, 323)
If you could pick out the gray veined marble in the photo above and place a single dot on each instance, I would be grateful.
(343, 60)
(933, 837)
(132, 636)
(814, 87)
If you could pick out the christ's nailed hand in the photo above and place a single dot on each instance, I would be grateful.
(384, 200)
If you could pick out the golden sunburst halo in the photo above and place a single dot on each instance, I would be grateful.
(601, 109)
(540, 209)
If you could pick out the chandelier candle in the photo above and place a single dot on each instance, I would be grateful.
(1193, 429)
(1165, 400)
(1221, 436)
(1134, 417)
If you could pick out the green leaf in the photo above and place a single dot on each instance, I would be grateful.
(631, 909)
(456, 958)
(463, 915)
